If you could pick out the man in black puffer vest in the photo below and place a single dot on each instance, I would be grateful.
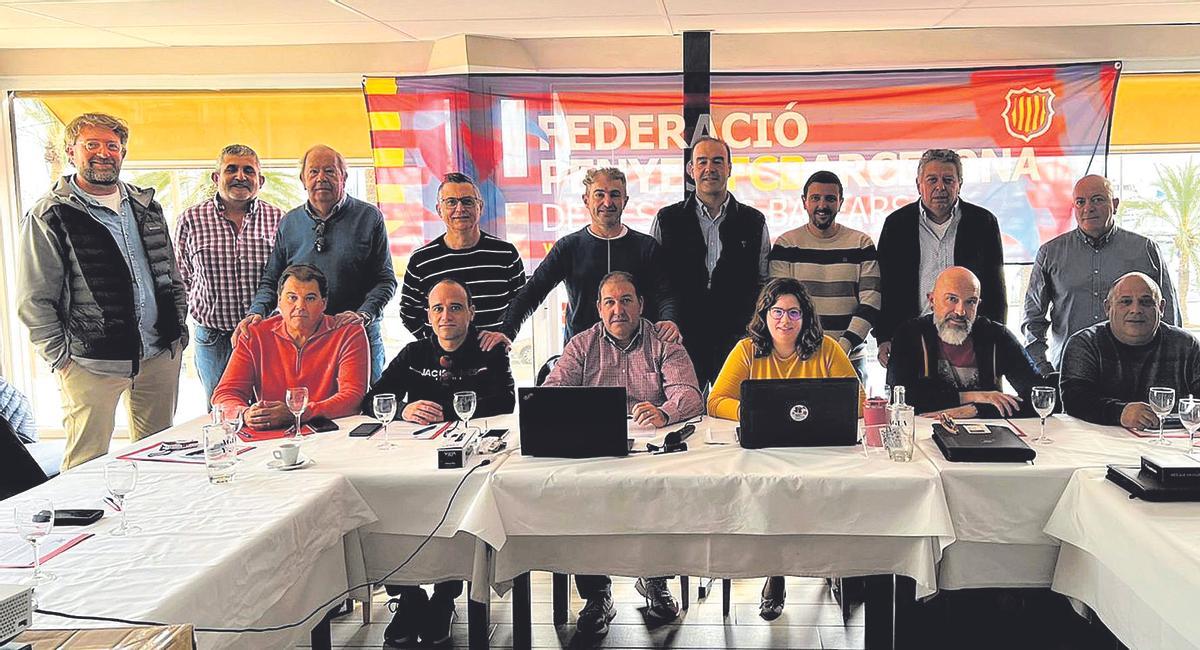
(100, 292)
(715, 251)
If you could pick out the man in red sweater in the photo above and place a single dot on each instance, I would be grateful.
(299, 346)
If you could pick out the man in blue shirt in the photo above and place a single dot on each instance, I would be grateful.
(342, 236)
(99, 290)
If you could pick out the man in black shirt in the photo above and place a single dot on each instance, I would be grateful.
(583, 257)
(1109, 368)
(426, 374)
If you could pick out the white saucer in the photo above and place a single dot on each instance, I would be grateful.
(303, 461)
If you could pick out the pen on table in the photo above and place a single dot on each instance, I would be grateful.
(424, 429)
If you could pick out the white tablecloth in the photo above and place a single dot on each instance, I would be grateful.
(999, 509)
(264, 549)
(783, 496)
(1135, 563)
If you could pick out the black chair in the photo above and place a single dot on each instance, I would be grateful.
(18, 470)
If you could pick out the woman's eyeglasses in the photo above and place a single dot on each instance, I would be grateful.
(778, 313)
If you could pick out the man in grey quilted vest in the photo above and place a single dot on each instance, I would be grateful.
(99, 290)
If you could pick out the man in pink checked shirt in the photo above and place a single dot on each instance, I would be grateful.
(223, 244)
(624, 349)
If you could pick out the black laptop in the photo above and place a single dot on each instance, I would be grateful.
(799, 413)
(572, 422)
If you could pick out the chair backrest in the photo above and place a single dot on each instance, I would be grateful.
(17, 411)
(545, 370)
(18, 470)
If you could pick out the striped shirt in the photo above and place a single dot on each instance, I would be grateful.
(220, 266)
(842, 276)
(491, 269)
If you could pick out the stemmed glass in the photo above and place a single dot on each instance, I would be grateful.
(35, 519)
(464, 406)
(1162, 400)
(1189, 415)
(384, 406)
(297, 400)
(1042, 398)
(121, 477)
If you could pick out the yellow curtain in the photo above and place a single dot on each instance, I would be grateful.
(1157, 109)
(189, 125)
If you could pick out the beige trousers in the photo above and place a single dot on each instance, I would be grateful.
(90, 404)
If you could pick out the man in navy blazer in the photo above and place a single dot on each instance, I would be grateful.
(924, 238)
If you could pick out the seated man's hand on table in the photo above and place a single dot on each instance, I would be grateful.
(647, 414)
(1139, 415)
(1008, 405)
(268, 415)
(422, 411)
(958, 412)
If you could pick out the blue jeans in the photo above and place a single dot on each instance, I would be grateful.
(378, 356)
(212, 352)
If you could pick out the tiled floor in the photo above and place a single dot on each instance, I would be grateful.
(811, 620)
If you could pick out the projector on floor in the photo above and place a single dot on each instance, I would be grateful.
(16, 610)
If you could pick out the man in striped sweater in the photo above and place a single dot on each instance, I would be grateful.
(489, 267)
(838, 266)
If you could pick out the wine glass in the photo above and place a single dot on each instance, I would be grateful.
(464, 406)
(1189, 415)
(1162, 400)
(35, 519)
(297, 400)
(1042, 398)
(121, 477)
(384, 406)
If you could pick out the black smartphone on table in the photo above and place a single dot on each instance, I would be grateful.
(81, 517)
(321, 424)
(365, 430)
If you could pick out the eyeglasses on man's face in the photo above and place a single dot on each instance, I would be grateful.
(467, 202)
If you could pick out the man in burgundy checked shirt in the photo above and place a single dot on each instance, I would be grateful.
(624, 349)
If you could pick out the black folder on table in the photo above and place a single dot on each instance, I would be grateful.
(1144, 486)
(999, 445)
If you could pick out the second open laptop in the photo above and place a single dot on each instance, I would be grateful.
(799, 413)
(572, 421)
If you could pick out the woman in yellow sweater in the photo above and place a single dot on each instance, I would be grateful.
(786, 342)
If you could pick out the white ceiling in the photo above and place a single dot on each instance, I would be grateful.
(157, 23)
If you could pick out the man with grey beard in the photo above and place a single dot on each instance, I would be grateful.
(953, 360)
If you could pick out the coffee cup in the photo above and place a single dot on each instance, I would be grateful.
(288, 453)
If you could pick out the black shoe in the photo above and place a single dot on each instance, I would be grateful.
(771, 605)
(595, 615)
(660, 604)
(409, 610)
(439, 616)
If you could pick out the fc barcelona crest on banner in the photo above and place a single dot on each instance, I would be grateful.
(1028, 112)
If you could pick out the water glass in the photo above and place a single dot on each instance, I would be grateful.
(1162, 400)
(464, 406)
(1189, 415)
(297, 400)
(1042, 398)
(384, 405)
(34, 519)
(220, 453)
(120, 478)
(233, 417)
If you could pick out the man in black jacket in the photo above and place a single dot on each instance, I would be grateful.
(951, 360)
(427, 373)
(99, 290)
(715, 252)
(921, 239)
(584, 257)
